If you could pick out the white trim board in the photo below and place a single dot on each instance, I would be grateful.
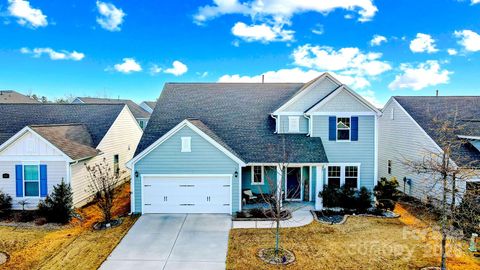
(170, 133)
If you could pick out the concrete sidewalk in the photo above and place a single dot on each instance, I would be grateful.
(173, 241)
(301, 216)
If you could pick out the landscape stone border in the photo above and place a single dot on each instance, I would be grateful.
(345, 217)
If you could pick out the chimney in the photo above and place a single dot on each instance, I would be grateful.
(263, 78)
(436, 93)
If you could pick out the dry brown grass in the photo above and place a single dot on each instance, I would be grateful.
(361, 243)
(75, 246)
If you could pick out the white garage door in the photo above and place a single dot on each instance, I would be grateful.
(186, 194)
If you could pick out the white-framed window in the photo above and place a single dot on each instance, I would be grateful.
(389, 166)
(343, 128)
(31, 180)
(293, 124)
(186, 144)
(392, 116)
(334, 176)
(351, 176)
(257, 175)
(343, 174)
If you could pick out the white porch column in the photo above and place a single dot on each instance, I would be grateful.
(319, 187)
(279, 184)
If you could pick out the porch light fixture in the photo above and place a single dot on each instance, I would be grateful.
(236, 174)
(136, 174)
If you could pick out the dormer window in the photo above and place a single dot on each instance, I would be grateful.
(294, 124)
(343, 128)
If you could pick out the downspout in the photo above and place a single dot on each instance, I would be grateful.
(276, 122)
(309, 124)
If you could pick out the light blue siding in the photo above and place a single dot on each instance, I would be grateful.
(283, 121)
(204, 158)
(269, 182)
(318, 91)
(361, 151)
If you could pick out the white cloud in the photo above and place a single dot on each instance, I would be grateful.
(423, 75)
(110, 17)
(178, 68)
(469, 40)
(349, 61)
(452, 52)
(294, 75)
(262, 32)
(423, 43)
(202, 74)
(54, 55)
(155, 69)
(475, 2)
(129, 65)
(27, 15)
(377, 40)
(283, 9)
(318, 29)
(370, 96)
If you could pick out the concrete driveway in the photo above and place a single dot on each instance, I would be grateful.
(173, 241)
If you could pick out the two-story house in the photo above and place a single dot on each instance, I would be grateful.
(412, 130)
(207, 143)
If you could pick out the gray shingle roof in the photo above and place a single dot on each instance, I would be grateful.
(10, 96)
(239, 114)
(151, 104)
(97, 118)
(72, 139)
(426, 108)
(137, 111)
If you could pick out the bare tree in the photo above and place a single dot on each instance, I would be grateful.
(103, 181)
(271, 198)
(443, 178)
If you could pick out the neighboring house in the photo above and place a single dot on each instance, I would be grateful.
(148, 106)
(43, 144)
(409, 131)
(10, 96)
(207, 143)
(140, 114)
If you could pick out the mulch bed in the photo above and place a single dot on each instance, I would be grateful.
(283, 257)
(339, 216)
(103, 226)
(257, 215)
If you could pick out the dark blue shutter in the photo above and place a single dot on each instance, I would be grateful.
(354, 128)
(332, 128)
(43, 181)
(19, 180)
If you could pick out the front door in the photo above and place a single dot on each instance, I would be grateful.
(294, 184)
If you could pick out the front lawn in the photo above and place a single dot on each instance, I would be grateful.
(75, 246)
(360, 243)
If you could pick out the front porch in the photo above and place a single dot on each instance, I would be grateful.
(259, 185)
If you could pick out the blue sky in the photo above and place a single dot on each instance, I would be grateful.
(131, 48)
